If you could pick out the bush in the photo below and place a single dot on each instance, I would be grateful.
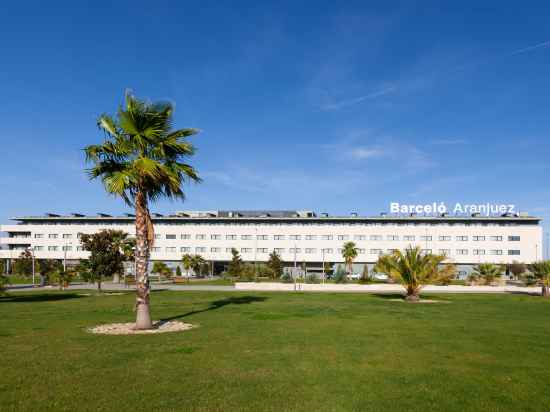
(3, 283)
(248, 273)
(287, 278)
(340, 276)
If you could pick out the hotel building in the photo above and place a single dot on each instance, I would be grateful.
(297, 236)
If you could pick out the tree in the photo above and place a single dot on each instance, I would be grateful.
(541, 270)
(23, 264)
(197, 264)
(365, 275)
(141, 161)
(161, 269)
(517, 269)
(106, 258)
(236, 265)
(349, 253)
(275, 264)
(187, 261)
(487, 272)
(47, 268)
(413, 269)
(178, 271)
(127, 247)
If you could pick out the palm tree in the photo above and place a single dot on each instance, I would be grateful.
(187, 261)
(349, 253)
(197, 262)
(487, 271)
(541, 270)
(413, 269)
(141, 161)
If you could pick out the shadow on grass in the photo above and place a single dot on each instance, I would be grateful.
(389, 295)
(39, 297)
(217, 304)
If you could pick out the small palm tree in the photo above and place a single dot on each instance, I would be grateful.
(197, 262)
(187, 262)
(141, 161)
(488, 272)
(541, 270)
(349, 253)
(414, 269)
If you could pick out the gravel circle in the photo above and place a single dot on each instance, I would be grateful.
(128, 328)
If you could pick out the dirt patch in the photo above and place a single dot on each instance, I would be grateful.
(420, 301)
(128, 328)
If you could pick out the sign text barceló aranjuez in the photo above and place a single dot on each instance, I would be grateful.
(485, 209)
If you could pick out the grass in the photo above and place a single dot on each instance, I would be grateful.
(278, 351)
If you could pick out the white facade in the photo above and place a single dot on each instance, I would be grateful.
(296, 236)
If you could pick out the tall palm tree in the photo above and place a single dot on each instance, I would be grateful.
(349, 253)
(141, 161)
(413, 269)
(541, 270)
(487, 272)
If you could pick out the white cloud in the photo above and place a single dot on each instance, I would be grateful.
(351, 102)
(366, 153)
(450, 142)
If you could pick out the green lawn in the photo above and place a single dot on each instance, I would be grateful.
(260, 351)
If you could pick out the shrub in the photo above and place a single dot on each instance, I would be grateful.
(178, 271)
(340, 276)
(287, 278)
(3, 283)
(248, 273)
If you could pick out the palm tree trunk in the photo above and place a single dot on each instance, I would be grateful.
(545, 292)
(143, 314)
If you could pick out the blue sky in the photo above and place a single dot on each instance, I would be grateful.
(331, 106)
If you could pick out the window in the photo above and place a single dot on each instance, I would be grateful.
(170, 249)
(375, 251)
(311, 237)
(343, 237)
(479, 251)
(67, 236)
(392, 237)
(311, 250)
(462, 251)
(326, 237)
(246, 250)
(231, 237)
(261, 250)
(446, 252)
(495, 252)
(52, 236)
(185, 249)
(295, 250)
(246, 237)
(462, 238)
(171, 237)
(185, 236)
(294, 237)
(514, 252)
(261, 237)
(426, 238)
(200, 237)
(215, 249)
(228, 249)
(157, 236)
(279, 237)
(496, 238)
(79, 248)
(478, 238)
(408, 238)
(327, 251)
(359, 237)
(155, 249)
(392, 250)
(514, 239)
(444, 238)
(52, 248)
(360, 251)
(66, 248)
(279, 250)
(426, 251)
(38, 248)
(215, 237)
(376, 237)
(38, 235)
(200, 249)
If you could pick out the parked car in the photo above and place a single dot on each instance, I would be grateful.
(354, 276)
(380, 276)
